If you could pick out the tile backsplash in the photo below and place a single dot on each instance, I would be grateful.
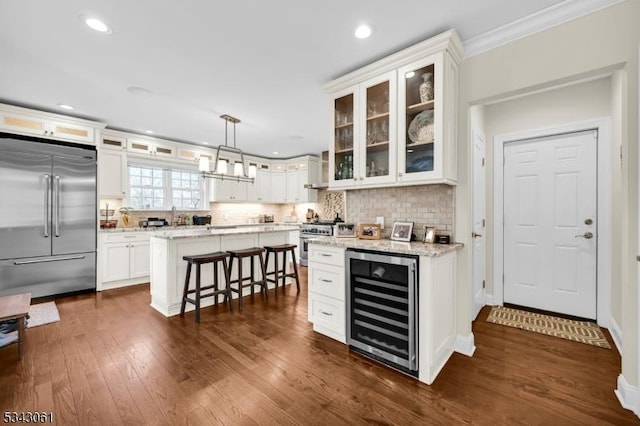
(424, 205)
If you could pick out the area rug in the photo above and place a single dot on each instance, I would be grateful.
(42, 313)
(577, 331)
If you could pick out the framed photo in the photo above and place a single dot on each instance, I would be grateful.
(429, 234)
(401, 231)
(369, 231)
(345, 230)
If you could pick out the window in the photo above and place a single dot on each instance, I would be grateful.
(155, 188)
(186, 189)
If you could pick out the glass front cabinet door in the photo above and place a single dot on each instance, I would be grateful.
(426, 122)
(377, 138)
(341, 151)
(364, 134)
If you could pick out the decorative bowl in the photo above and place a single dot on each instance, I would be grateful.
(421, 127)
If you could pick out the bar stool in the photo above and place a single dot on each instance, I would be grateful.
(198, 260)
(238, 255)
(282, 273)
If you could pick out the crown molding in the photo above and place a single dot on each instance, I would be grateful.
(542, 20)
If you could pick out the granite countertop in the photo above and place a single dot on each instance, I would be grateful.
(181, 228)
(416, 248)
(201, 233)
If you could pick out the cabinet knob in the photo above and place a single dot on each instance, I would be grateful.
(399, 174)
(361, 178)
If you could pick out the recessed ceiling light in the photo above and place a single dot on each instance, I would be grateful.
(205, 143)
(276, 152)
(96, 24)
(363, 31)
(149, 131)
(65, 106)
(410, 74)
(139, 91)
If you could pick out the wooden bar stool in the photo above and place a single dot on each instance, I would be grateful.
(198, 260)
(252, 253)
(282, 273)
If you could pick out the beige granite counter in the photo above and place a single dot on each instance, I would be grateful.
(415, 248)
(196, 227)
(201, 233)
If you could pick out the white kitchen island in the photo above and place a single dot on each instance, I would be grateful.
(168, 270)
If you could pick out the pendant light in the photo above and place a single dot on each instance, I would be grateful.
(241, 172)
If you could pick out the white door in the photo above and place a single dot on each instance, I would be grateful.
(478, 223)
(550, 240)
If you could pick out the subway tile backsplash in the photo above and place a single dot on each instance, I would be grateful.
(424, 205)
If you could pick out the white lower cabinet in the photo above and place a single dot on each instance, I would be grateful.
(327, 291)
(123, 259)
(327, 308)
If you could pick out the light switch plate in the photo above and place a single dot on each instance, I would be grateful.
(380, 221)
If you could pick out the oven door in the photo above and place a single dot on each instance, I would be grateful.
(304, 249)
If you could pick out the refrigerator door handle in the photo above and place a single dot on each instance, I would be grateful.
(47, 191)
(49, 259)
(56, 210)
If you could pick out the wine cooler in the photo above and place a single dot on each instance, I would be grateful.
(382, 308)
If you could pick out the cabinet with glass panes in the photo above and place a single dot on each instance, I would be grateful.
(394, 121)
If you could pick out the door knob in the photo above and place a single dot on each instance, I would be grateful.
(476, 235)
(586, 235)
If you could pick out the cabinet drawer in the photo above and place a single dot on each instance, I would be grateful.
(329, 317)
(326, 254)
(327, 280)
(119, 237)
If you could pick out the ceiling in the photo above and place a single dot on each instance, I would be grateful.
(264, 62)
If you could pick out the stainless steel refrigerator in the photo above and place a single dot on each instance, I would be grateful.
(47, 217)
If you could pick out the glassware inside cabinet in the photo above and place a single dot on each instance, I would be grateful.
(343, 137)
(419, 109)
(377, 135)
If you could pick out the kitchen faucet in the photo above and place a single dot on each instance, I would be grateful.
(173, 216)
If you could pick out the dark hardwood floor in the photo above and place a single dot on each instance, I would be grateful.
(112, 360)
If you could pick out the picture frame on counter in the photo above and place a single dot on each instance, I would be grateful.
(369, 231)
(402, 231)
(345, 230)
(429, 234)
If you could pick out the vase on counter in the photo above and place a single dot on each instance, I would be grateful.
(426, 87)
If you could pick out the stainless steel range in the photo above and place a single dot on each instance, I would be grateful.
(311, 230)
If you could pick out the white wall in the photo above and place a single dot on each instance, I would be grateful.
(605, 41)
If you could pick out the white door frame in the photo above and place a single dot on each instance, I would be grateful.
(603, 125)
(476, 299)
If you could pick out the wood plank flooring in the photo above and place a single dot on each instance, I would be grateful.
(113, 360)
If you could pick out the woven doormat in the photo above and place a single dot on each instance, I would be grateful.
(577, 331)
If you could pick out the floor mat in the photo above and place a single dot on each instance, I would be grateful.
(577, 331)
(42, 313)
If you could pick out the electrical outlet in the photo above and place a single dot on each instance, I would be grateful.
(380, 221)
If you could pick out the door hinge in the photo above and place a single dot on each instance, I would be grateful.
(483, 223)
(483, 284)
(483, 162)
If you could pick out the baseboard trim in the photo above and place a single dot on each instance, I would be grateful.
(628, 395)
(465, 345)
(488, 299)
(616, 334)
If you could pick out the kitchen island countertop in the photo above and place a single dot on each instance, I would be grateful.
(201, 233)
(203, 228)
(414, 247)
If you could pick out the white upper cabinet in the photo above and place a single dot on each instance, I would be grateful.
(50, 126)
(112, 173)
(152, 148)
(364, 134)
(394, 121)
